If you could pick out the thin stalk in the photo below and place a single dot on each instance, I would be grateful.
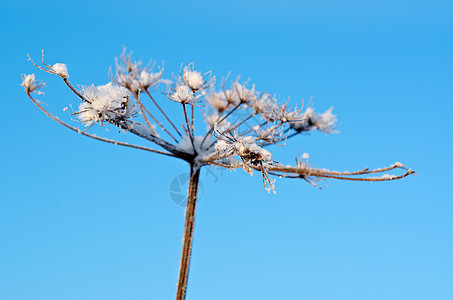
(142, 111)
(92, 135)
(191, 118)
(242, 122)
(220, 120)
(163, 113)
(188, 233)
(262, 124)
(189, 130)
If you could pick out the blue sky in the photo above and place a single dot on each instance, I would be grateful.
(80, 219)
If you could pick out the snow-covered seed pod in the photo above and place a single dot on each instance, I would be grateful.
(195, 80)
(108, 103)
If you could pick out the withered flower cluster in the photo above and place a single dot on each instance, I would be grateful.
(240, 126)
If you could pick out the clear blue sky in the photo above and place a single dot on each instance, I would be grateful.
(81, 219)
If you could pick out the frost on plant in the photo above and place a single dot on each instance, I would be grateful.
(225, 140)
(31, 85)
(106, 103)
(240, 128)
(61, 69)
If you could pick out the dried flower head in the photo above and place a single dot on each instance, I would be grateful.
(217, 100)
(149, 79)
(281, 113)
(31, 85)
(244, 94)
(106, 103)
(131, 75)
(61, 70)
(182, 94)
(325, 122)
(195, 80)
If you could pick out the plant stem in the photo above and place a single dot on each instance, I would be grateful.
(188, 233)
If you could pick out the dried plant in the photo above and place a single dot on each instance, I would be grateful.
(229, 141)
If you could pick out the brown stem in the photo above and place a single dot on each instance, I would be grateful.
(92, 135)
(189, 130)
(188, 233)
(142, 111)
(155, 120)
(220, 120)
(160, 109)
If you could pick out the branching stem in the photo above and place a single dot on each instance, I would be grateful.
(92, 135)
(163, 113)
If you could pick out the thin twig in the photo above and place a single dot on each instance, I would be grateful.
(191, 117)
(163, 113)
(219, 120)
(94, 136)
(142, 111)
(189, 130)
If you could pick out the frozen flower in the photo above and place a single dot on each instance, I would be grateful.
(281, 112)
(246, 148)
(61, 70)
(244, 94)
(195, 80)
(217, 100)
(108, 103)
(262, 104)
(306, 124)
(252, 155)
(31, 85)
(271, 135)
(128, 72)
(128, 81)
(324, 122)
(182, 94)
(149, 79)
(230, 143)
(230, 97)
